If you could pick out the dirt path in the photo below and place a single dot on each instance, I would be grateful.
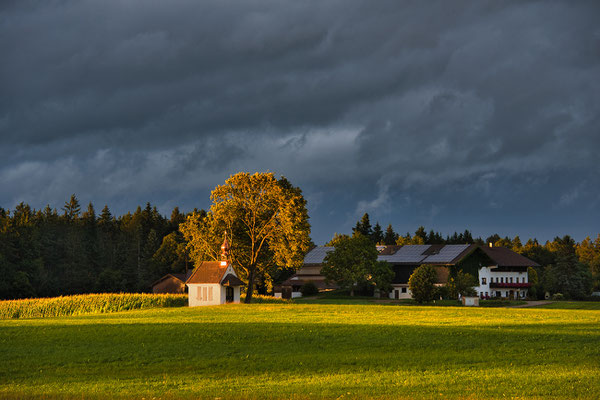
(532, 304)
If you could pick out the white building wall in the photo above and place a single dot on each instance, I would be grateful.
(400, 289)
(205, 294)
(487, 274)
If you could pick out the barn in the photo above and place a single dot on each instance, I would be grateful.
(171, 283)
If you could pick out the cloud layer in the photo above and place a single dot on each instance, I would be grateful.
(480, 115)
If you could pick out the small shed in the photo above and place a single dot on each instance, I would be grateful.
(171, 283)
(470, 301)
(214, 282)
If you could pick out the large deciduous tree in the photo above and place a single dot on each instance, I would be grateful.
(266, 223)
(353, 264)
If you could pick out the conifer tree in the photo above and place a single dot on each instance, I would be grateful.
(363, 226)
(72, 208)
(390, 236)
(420, 236)
(377, 234)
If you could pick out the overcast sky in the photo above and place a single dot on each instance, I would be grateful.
(482, 114)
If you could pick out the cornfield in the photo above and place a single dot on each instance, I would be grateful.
(87, 304)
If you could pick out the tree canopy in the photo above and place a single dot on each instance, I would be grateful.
(265, 220)
(462, 284)
(353, 264)
(422, 283)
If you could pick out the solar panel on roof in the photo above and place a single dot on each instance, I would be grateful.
(407, 254)
(317, 255)
(447, 253)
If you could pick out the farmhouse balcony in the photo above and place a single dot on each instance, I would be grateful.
(509, 285)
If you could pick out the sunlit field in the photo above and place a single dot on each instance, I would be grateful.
(304, 351)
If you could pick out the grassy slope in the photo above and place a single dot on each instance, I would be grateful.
(305, 351)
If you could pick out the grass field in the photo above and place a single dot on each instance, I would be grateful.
(304, 351)
(573, 305)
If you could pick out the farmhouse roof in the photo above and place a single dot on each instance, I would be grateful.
(507, 258)
(414, 254)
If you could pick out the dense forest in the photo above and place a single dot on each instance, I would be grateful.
(44, 253)
(47, 253)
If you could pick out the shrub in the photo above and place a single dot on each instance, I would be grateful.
(558, 296)
(422, 283)
(309, 289)
(442, 292)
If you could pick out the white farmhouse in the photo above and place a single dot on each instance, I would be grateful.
(501, 272)
(505, 276)
(214, 282)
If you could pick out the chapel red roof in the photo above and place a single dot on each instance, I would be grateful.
(208, 272)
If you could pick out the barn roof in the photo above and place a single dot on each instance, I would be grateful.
(440, 254)
(412, 254)
(180, 277)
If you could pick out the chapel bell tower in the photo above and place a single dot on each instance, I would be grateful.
(225, 252)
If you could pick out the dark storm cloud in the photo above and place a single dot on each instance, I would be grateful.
(451, 114)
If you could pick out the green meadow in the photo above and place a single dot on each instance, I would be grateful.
(304, 351)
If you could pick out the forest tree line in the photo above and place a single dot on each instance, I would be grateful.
(46, 253)
(49, 253)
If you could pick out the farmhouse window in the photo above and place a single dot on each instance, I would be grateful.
(199, 294)
(204, 296)
(510, 279)
(210, 293)
(501, 279)
(403, 290)
(483, 281)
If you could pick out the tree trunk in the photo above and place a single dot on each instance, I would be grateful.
(250, 289)
(351, 292)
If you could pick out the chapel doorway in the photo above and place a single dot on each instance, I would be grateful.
(229, 294)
